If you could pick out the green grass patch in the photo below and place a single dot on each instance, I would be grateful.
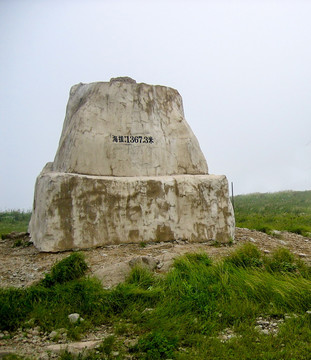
(179, 315)
(14, 220)
(286, 210)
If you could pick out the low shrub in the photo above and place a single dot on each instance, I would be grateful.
(281, 260)
(141, 277)
(70, 268)
(156, 345)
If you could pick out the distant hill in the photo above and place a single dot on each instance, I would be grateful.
(285, 210)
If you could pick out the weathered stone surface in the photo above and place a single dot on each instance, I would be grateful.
(74, 348)
(128, 169)
(120, 128)
(78, 211)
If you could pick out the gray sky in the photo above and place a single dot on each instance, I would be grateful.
(243, 69)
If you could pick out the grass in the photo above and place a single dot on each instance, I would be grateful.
(181, 314)
(286, 210)
(14, 220)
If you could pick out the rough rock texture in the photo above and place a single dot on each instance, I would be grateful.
(79, 211)
(120, 128)
(128, 169)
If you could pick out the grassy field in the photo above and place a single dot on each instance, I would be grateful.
(183, 314)
(287, 210)
(14, 220)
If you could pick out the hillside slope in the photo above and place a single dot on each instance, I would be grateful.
(285, 210)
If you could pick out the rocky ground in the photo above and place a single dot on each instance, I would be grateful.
(22, 266)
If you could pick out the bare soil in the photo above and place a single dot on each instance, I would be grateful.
(23, 266)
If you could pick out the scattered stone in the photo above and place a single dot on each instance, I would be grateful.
(16, 235)
(302, 255)
(74, 348)
(53, 335)
(252, 240)
(73, 318)
(226, 335)
(268, 326)
(144, 261)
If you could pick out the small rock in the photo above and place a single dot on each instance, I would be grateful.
(145, 261)
(53, 334)
(73, 318)
(308, 312)
(147, 310)
(74, 348)
(252, 240)
(302, 255)
(44, 356)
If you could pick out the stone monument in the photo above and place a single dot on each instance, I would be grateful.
(128, 169)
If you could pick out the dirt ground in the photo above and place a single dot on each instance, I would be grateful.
(23, 266)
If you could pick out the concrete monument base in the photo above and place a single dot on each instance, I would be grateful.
(73, 211)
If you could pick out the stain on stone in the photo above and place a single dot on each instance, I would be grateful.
(164, 233)
(149, 106)
(163, 206)
(64, 206)
(201, 230)
(133, 235)
(154, 189)
(133, 212)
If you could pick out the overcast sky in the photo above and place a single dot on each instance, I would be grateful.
(243, 69)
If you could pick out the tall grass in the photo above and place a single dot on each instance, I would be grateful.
(179, 315)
